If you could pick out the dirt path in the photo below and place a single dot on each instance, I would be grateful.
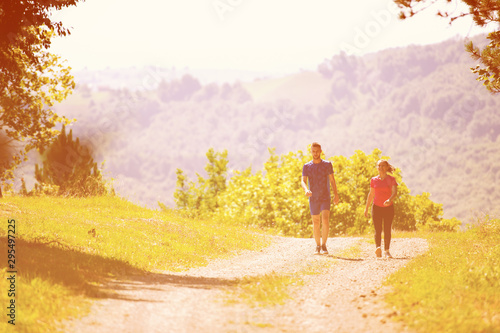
(346, 297)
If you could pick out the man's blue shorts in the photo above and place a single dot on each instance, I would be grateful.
(317, 206)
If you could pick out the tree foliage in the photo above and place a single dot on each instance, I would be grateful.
(483, 13)
(31, 78)
(69, 169)
(273, 197)
(203, 197)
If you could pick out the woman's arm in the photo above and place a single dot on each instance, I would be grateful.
(369, 200)
(393, 195)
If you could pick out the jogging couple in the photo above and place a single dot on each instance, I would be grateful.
(318, 178)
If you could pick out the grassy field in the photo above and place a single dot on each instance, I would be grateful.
(455, 286)
(66, 248)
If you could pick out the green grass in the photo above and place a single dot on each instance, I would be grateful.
(352, 252)
(66, 249)
(274, 288)
(455, 286)
(265, 290)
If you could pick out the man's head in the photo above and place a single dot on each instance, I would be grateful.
(316, 151)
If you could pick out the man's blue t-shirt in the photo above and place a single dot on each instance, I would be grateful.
(318, 178)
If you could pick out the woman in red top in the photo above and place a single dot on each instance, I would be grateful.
(383, 190)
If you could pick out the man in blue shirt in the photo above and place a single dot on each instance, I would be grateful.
(317, 176)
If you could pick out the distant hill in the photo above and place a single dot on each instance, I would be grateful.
(420, 105)
(303, 88)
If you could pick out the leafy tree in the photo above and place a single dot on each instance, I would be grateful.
(273, 198)
(483, 12)
(204, 198)
(352, 176)
(69, 169)
(217, 173)
(182, 195)
(6, 153)
(31, 78)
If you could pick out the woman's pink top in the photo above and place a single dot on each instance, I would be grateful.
(382, 189)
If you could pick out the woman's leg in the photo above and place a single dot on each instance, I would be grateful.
(377, 223)
(388, 217)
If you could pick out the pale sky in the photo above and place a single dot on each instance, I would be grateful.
(255, 35)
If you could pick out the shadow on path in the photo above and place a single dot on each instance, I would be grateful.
(90, 274)
(371, 258)
(347, 259)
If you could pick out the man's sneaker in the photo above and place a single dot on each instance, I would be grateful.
(387, 254)
(318, 249)
(378, 252)
(325, 251)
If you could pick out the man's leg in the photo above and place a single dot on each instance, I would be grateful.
(325, 217)
(315, 209)
(316, 229)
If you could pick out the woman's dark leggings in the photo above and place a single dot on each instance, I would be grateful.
(382, 217)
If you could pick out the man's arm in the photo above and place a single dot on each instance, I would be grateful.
(334, 188)
(304, 186)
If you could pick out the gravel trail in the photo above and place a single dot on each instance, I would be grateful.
(347, 296)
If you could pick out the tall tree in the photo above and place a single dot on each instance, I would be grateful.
(203, 197)
(69, 165)
(31, 78)
(484, 13)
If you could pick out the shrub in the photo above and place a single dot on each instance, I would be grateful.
(274, 198)
(452, 224)
(68, 169)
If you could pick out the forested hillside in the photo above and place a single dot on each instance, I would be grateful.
(420, 105)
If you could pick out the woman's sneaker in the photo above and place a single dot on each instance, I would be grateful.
(325, 251)
(318, 249)
(387, 254)
(378, 252)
